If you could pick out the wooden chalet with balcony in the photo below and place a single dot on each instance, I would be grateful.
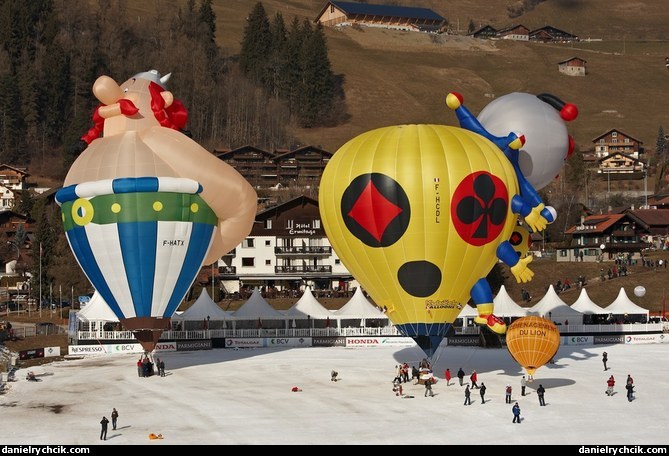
(551, 34)
(486, 32)
(515, 32)
(604, 237)
(616, 141)
(619, 166)
(336, 13)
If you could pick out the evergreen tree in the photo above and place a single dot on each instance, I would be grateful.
(661, 148)
(278, 62)
(256, 45)
(292, 79)
(207, 21)
(317, 79)
(43, 245)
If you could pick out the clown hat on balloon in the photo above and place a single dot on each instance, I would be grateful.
(144, 207)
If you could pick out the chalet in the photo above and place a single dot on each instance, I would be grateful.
(655, 222)
(281, 168)
(551, 34)
(515, 32)
(617, 141)
(336, 13)
(573, 66)
(621, 165)
(604, 237)
(287, 245)
(486, 32)
(13, 178)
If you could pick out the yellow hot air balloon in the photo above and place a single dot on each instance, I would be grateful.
(532, 342)
(416, 213)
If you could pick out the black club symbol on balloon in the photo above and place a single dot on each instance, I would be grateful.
(482, 208)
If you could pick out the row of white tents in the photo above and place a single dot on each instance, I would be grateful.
(308, 312)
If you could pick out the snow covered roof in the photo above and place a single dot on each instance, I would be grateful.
(96, 310)
(308, 306)
(585, 305)
(552, 306)
(359, 307)
(507, 307)
(623, 305)
(257, 307)
(203, 307)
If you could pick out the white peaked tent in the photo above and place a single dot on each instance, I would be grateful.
(585, 305)
(622, 305)
(256, 307)
(96, 310)
(307, 305)
(507, 307)
(468, 312)
(359, 307)
(203, 308)
(551, 306)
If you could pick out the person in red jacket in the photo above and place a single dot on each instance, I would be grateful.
(447, 376)
(473, 378)
(611, 383)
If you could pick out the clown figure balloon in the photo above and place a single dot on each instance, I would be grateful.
(419, 214)
(145, 207)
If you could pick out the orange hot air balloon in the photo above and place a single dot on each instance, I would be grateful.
(532, 342)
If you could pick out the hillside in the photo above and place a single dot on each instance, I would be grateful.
(394, 77)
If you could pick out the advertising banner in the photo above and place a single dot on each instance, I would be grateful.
(328, 341)
(468, 341)
(124, 348)
(397, 341)
(576, 340)
(51, 351)
(190, 345)
(288, 342)
(31, 354)
(232, 342)
(363, 341)
(613, 339)
(86, 350)
(166, 346)
(642, 339)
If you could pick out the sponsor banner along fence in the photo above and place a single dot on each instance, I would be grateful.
(612, 339)
(31, 354)
(576, 340)
(643, 338)
(366, 341)
(251, 342)
(166, 346)
(51, 351)
(189, 345)
(469, 341)
(328, 341)
(287, 342)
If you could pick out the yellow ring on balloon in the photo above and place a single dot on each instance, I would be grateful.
(86, 208)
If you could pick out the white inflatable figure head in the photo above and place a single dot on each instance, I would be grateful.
(542, 120)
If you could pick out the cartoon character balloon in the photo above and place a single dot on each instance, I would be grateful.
(532, 342)
(420, 214)
(145, 207)
(542, 120)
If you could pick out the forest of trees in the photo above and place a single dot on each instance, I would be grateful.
(52, 52)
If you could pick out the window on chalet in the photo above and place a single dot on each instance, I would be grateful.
(268, 243)
(248, 262)
(317, 224)
(337, 261)
(268, 262)
(563, 253)
(614, 141)
(290, 224)
(332, 9)
(602, 141)
(268, 224)
(627, 140)
(614, 134)
(248, 243)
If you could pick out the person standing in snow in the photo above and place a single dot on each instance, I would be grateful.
(461, 375)
(447, 376)
(523, 384)
(468, 400)
(114, 417)
(103, 432)
(473, 378)
(428, 387)
(508, 394)
(482, 391)
(605, 358)
(610, 384)
(516, 413)
(540, 393)
(630, 392)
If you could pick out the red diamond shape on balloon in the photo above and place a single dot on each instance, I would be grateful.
(373, 211)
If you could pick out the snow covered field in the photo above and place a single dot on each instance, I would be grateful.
(244, 397)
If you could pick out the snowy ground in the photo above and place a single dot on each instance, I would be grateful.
(244, 397)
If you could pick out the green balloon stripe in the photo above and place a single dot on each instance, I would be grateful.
(138, 207)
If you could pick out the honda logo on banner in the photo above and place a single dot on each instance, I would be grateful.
(166, 347)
